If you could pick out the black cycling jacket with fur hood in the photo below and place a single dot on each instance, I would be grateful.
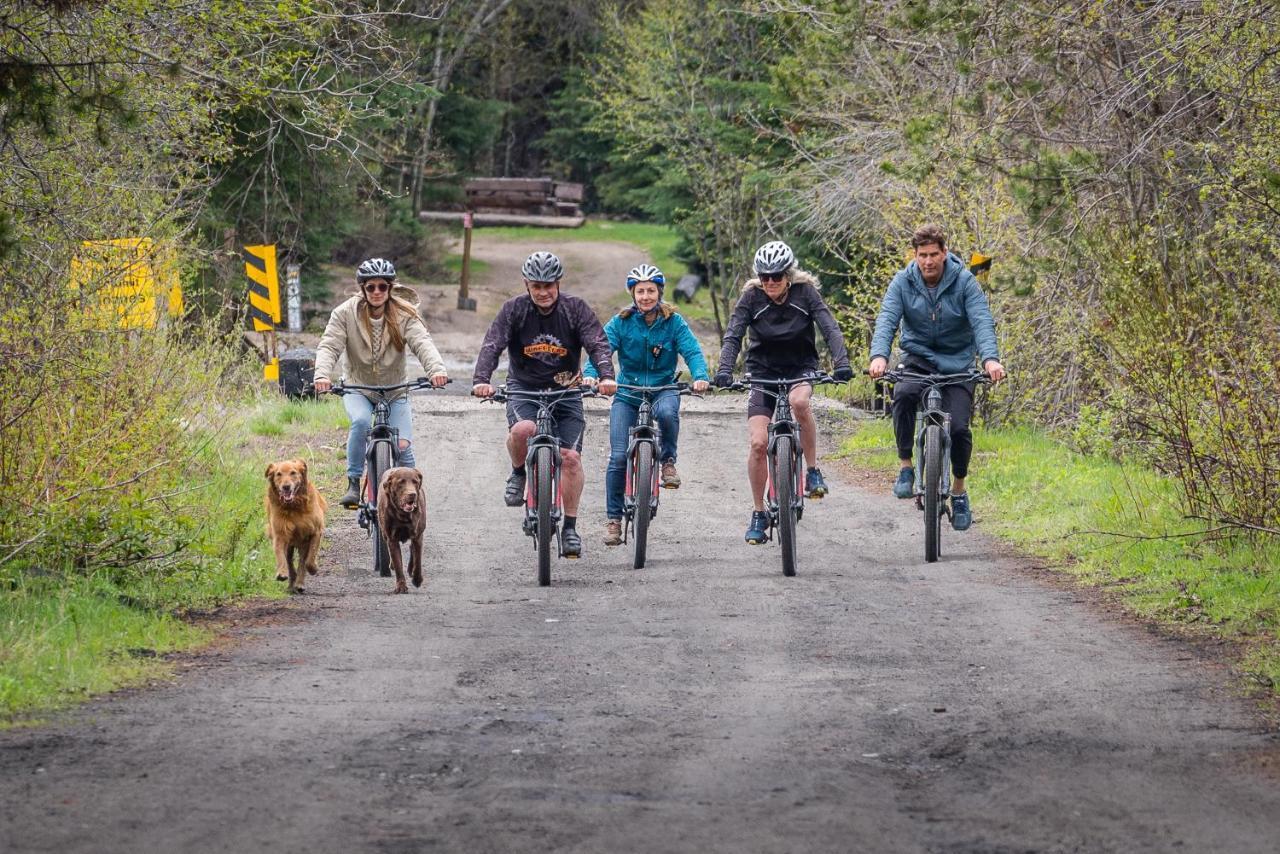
(782, 342)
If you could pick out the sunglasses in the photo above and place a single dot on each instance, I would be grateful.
(658, 280)
(377, 289)
(773, 277)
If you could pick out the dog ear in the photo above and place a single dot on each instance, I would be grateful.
(302, 465)
(417, 477)
(271, 469)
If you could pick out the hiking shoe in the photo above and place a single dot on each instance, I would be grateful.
(670, 477)
(961, 513)
(814, 485)
(352, 498)
(905, 487)
(570, 543)
(513, 495)
(758, 530)
(613, 532)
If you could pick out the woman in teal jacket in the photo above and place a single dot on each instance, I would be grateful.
(648, 337)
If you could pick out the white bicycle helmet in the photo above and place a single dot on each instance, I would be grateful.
(375, 268)
(542, 267)
(645, 273)
(774, 257)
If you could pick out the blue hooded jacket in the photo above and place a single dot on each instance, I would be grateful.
(648, 355)
(948, 328)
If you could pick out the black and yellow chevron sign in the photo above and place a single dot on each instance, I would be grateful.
(980, 266)
(264, 287)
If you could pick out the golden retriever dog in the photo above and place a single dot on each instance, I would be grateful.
(402, 515)
(295, 521)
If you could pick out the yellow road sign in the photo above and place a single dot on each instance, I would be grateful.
(264, 287)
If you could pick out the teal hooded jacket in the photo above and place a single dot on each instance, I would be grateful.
(649, 354)
(948, 327)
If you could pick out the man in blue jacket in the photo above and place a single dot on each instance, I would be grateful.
(649, 337)
(946, 322)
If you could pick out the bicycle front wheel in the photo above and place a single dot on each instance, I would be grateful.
(785, 487)
(381, 552)
(542, 497)
(643, 484)
(932, 492)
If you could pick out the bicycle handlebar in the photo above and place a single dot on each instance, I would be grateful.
(682, 387)
(501, 394)
(747, 382)
(908, 375)
(383, 390)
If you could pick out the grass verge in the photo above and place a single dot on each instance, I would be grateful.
(68, 634)
(1120, 527)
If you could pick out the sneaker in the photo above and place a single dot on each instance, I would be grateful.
(613, 532)
(961, 513)
(758, 530)
(905, 487)
(570, 543)
(670, 477)
(814, 485)
(352, 499)
(513, 495)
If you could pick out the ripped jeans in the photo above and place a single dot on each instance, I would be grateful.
(360, 411)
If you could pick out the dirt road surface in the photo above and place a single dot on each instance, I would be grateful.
(705, 703)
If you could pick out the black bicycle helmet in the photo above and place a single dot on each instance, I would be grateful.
(375, 268)
(542, 267)
(774, 257)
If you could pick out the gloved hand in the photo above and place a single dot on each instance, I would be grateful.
(723, 379)
(843, 374)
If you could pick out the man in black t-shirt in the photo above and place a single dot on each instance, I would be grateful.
(544, 333)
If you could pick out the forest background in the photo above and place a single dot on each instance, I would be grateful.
(1120, 160)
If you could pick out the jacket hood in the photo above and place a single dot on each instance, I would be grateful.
(400, 292)
(951, 271)
(798, 277)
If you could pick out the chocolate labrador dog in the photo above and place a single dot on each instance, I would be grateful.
(402, 515)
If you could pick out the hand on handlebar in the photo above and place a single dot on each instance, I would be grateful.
(608, 386)
(439, 380)
(482, 390)
(877, 367)
(723, 379)
(994, 369)
(322, 386)
(700, 386)
(842, 374)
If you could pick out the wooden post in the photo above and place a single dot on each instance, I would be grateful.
(465, 303)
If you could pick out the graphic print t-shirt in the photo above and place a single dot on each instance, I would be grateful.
(545, 350)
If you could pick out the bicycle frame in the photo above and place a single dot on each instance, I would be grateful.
(645, 431)
(543, 437)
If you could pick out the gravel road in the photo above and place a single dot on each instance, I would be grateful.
(704, 703)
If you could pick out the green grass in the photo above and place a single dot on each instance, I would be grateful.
(71, 633)
(453, 263)
(1121, 527)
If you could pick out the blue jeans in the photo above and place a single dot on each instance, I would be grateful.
(622, 417)
(360, 411)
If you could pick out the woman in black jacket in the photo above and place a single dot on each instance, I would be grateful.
(781, 307)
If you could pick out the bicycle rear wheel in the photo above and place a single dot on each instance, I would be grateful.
(542, 496)
(643, 485)
(785, 488)
(932, 492)
(381, 553)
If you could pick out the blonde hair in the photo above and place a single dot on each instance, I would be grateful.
(396, 313)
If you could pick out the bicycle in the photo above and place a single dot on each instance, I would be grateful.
(640, 495)
(543, 507)
(382, 452)
(784, 492)
(933, 444)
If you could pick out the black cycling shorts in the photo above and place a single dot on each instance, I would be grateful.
(570, 420)
(762, 401)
